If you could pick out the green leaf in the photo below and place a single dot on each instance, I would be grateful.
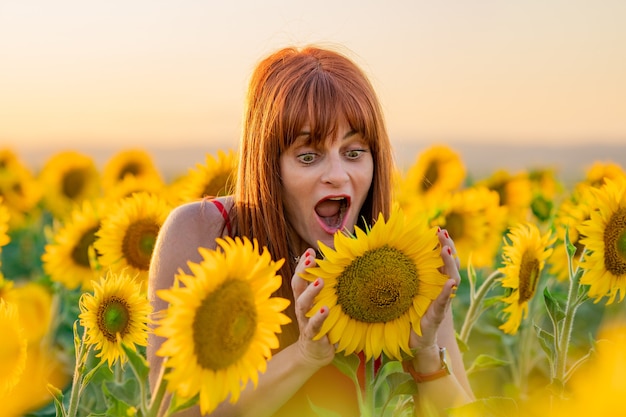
(555, 311)
(178, 403)
(569, 246)
(348, 364)
(546, 341)
(57, 396)
(484, 361)
(137, 362)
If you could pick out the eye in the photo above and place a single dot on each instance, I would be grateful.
(307, 158)
(354, 153)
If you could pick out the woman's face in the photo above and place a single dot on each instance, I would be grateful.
(325, 186)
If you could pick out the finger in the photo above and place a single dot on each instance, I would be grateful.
(316, 322)
(440, 304)
(298, 284)
(446, 240)
(451, 264)
(304, 303)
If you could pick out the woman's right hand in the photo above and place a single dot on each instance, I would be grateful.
(320, 352)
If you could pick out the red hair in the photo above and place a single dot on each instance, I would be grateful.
(289, 88)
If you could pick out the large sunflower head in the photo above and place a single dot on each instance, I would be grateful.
(69, 258)
(437, 170)
(135, 163)
(605, 239)
(116, 313)
(524, 256)
(128, 232)
(378, 285)
(213, 179)
(12, 349)
(68, 178)
(221, 323)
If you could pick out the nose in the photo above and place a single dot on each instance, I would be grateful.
(335, 172)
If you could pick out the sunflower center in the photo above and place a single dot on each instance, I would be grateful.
(113, 318)
(455, 224)
(500, 188)
(430, 176)
(217, 186)
(615, 243)
(378, 286)
(73, 183)
(138, 243)
(528, 277)
(224, 325)
(131, 169)
(80, 253)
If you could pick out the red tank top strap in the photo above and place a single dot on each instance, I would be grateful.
(225, 215)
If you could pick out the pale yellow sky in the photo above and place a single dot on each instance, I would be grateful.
(165, 73)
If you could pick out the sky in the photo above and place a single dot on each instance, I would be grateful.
(173, 73)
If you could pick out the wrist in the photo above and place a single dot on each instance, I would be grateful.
(428, 364)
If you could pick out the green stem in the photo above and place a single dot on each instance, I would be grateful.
(562, 342)
(474, 309)
(77, 380)
(368, 411)
(159, 393)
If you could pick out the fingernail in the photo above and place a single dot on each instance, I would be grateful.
(322, 310)
(307, 261)
(449, 251)
(438, 229)
(316, 283)
(446, 235)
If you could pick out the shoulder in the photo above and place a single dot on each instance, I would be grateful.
(193, 225)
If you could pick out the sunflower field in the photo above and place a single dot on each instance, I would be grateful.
(539, 313)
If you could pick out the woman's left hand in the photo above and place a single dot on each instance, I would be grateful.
(436, 312)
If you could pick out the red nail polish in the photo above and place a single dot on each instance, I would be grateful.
(446, 235)
(316, 283)
(307, 262)
(438, 229)
(449, 251)
(322, 310)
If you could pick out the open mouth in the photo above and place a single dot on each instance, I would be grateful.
(331, 213)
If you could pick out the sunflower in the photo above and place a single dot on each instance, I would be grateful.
(475, 220)
(524, 257)
(68, 178)
(35, 305)
(599, 171)
(515, 192)
(12, 349)
(136, 163)
(69, 258)
(213, 179)
(130, 185)
(605, 239)
(437, 170)
(117, 313)
(378, 285)
(127, 234)
(221, 324)
(570, 214)
(20, 193)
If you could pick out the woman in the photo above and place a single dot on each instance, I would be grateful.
(314, 158)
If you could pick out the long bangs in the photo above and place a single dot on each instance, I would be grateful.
(321, 97)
